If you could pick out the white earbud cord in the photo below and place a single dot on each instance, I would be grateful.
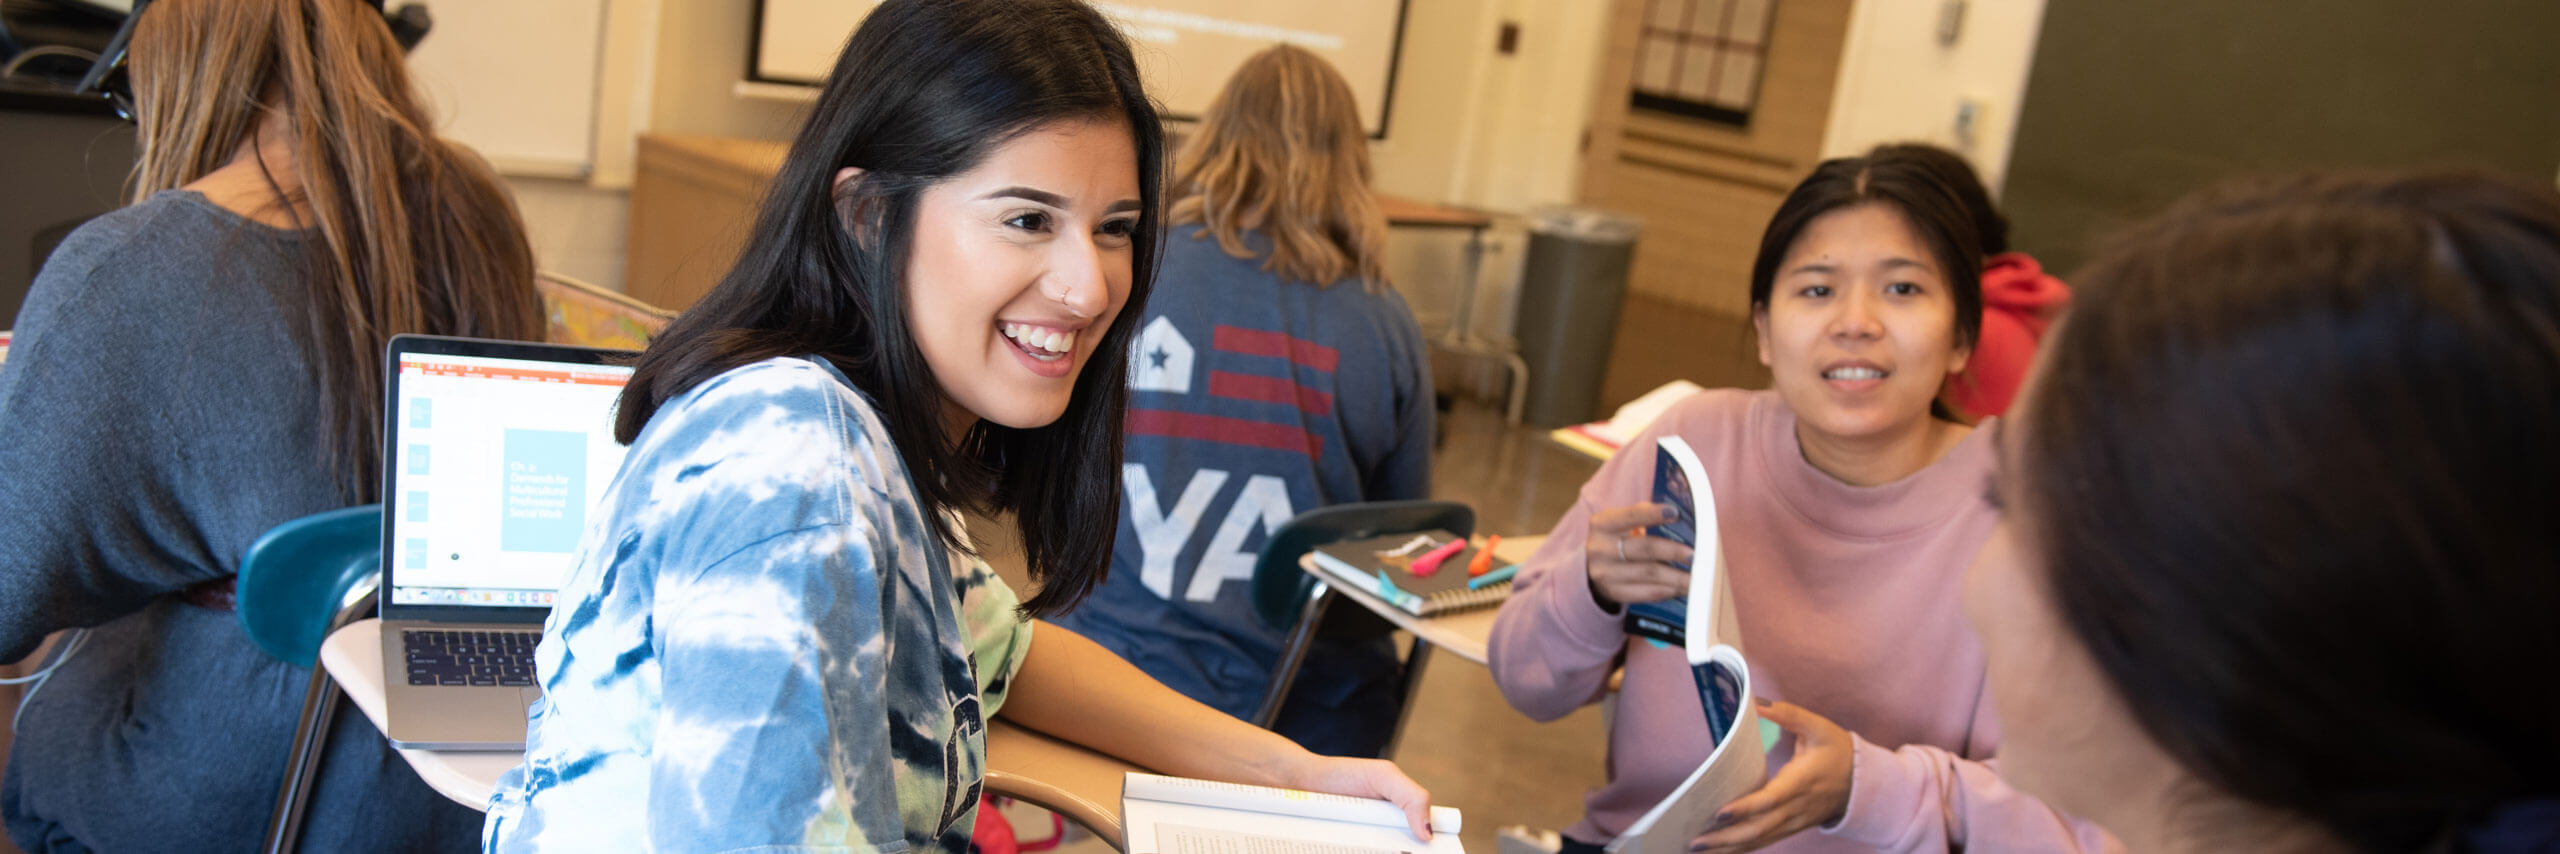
(70, 645)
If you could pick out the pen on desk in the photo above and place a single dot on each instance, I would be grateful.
(1492, 578)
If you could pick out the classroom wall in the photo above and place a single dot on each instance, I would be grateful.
(515, 81)
(702, 54)
(2134, 104)
(1477, 127)
(1899, 82)
(1470, 126)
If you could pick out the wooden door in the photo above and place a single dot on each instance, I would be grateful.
(1703, 175)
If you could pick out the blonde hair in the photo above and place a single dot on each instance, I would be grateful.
(415, 235)
(1281, 151)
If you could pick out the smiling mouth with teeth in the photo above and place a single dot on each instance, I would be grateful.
(1853, 374)
(1042, 343)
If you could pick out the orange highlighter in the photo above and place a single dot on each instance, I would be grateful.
(1484, 559)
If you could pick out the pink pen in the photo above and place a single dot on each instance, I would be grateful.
(1430, 561)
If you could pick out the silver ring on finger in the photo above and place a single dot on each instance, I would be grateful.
(1622, 547)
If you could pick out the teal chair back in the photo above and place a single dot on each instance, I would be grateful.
(296, 576)
(1280, 588)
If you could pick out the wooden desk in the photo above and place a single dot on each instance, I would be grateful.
(1066, 779)
(1402, 212)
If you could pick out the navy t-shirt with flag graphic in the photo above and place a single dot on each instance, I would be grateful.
(1252, 400)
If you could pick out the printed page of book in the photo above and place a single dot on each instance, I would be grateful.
(1173, 815)
(1736, 768)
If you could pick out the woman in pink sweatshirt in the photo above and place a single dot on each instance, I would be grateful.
(1850, 504)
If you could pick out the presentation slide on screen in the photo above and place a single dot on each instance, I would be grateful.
(1186, 48)
(500, 462)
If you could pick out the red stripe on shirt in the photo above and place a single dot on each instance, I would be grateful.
(1270, 390)
(1254, 342)
(1231, 431)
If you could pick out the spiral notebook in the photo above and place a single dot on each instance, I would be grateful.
(1372, 564)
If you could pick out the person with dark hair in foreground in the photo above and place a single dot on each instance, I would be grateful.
(2278, 568)
(1850, 503)
(776, 633)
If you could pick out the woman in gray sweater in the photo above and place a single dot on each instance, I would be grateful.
(199, 367)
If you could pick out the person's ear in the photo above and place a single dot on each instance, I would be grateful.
(1760, 326)
(849, 204)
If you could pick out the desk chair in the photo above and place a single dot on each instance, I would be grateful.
(1291, 599)
(300, 581)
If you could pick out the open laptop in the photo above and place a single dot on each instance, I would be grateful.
(494, 455)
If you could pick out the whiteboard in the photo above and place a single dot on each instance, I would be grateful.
(1186, 49)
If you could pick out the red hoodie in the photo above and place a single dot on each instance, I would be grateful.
(2018, 302)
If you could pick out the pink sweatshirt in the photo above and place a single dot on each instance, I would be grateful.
(1847, 604)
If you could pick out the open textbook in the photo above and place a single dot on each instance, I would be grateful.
(1739, 760)
(1180, 815)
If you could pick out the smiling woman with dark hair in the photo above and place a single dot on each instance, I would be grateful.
(2279, 568)
(777, 633)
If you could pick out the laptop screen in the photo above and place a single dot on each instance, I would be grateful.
(493, 465)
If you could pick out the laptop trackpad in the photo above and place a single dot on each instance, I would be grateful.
(527, 695)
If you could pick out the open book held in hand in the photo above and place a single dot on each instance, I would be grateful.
(1425, 574)
(1180, 815)
(1739, 760)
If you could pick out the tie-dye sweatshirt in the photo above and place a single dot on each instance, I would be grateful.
(762, 646)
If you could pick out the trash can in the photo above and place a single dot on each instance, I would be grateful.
(1571, 283)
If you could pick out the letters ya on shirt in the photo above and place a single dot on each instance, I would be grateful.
(1241, 398)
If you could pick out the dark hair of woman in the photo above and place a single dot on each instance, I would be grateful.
(1894, 177)
(923, 92)
(1957, 175)
(2293, 472)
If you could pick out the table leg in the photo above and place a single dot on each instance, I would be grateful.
(1414, 661)
(1293, 653)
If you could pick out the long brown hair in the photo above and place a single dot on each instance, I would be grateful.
(1281, 152)
(415, 235)
(2292, 471)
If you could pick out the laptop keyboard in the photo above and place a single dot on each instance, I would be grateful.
(438, 657)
